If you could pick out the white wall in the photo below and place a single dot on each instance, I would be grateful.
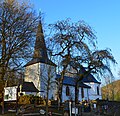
(32, 74)
(10, 93)
(48, 72)
(38, 74)
(93, 91)
(85, 94)
(72, 93)
(89, 93)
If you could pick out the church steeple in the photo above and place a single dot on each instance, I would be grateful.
(40, 47)
(40, 50)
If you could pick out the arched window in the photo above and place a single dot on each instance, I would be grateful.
(67, 91)
(98, 90)
(82, 92)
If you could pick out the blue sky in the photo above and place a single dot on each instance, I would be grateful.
(102, 15)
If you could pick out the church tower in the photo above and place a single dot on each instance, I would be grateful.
(40, 67)
(40, 47)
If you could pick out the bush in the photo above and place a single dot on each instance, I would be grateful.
(31, 99)
(24, 99)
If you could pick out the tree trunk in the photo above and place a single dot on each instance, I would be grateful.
(3, 85)
(76, 93)
(60, 96)
(60, 87)
(3, 102)
(47, 104)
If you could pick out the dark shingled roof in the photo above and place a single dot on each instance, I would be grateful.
(90, 78)
(29, 87)
(41, 60)
(71, 81)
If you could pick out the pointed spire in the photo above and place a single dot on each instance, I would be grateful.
(40, 50)
(40, 47)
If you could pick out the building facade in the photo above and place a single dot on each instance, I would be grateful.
(41, 69)
(89, 88)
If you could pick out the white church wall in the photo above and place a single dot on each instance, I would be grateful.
(92, 92)
(85, 91)
(38, 74)
(48, 74)
(89, 93)
(32, 74)
(10, 93)
(72, 93)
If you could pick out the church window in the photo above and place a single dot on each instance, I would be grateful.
(98, 90)
(67, 91)
(82, 92)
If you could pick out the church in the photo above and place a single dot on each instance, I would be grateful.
(41, 69)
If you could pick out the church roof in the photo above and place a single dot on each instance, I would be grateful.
(87, 79)
(90, 78)
(40, 50)
(29, 87)
(41, 60)
(71, 81)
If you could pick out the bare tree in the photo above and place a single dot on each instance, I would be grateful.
(17, 30)
(75, 44)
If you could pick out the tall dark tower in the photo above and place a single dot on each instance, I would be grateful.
(40, 47)
(40, 50)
